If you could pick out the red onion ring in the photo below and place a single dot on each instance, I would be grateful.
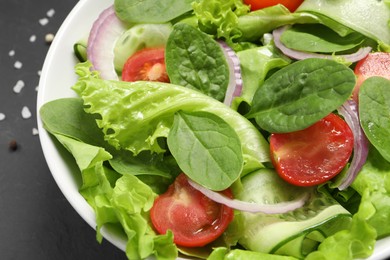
(234, 88)
(300, 55)
(101, 42)
(349, 110)
(278, 208)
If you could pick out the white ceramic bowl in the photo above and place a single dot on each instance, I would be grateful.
(56, 79)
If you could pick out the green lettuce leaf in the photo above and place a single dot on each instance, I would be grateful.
(255, 64)
(136, 115)
(220, 17)
(353, 14)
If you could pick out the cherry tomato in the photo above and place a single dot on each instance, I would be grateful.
(374, 64)
(146, 64)
(292, 5)
(313, 155)
(194, 219)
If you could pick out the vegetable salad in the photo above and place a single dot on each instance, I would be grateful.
(233, 130)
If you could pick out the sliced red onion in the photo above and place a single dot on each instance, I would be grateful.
(248, 206)
(234, 88)
(101, 42)
(300, 55)
(349, 110)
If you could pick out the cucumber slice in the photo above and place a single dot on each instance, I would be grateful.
(80, 49)
(296, 233)
(138, 37)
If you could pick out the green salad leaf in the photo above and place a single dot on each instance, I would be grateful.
(374, 112)
(319, 38)
(135, 115)
(300, 94)
(220, 18)
(256, 64)
(119, 201)
(354, 14)
(194, 60)
(206, 148)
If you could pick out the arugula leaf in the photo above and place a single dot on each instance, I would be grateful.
(300, 94)
(206, 148)
(151, 11)
(194, 60)
(374, 111)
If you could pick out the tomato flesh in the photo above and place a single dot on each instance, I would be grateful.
(314, 155)
(291, 5)
(374, 64)
(147, 64)
(194, 219)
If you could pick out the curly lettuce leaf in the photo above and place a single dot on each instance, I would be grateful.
(220, 17)
(120, 202)
(136, 115)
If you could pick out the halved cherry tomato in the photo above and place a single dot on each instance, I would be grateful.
(292, 5)
(194, 219)
(313, 155)
(374, 64)
(146, 64)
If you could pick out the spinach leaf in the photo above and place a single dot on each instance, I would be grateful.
(194, 60)
(300, 94)
(319, 38)
(206, 148)
(67, 117)
(151, 11)
(374, 111)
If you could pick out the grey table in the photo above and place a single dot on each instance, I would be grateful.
(36, 221)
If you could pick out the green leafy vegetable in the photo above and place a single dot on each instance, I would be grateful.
(318, 38)
(134, 115)
(255, 24)
(196, 61)
(354, 14)
(374, 111)
(374, 178)
(220, 17)
(255, 64)
(299, 95)
(206, 148)
(151, 11)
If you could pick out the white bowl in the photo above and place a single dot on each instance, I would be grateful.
(56, 79)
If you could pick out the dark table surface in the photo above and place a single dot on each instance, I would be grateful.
(36, 221)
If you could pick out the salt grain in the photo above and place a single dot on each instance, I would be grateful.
(26, 113)
(37, 88)
(11, 53)
(43, 21)
(39, 72)
(2, 116)
(33, 38)
(35, 131)
(49, 37)
(18, 65)
(18, 86)
(51, 12)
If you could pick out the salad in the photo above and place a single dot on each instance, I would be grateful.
(223, 129)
